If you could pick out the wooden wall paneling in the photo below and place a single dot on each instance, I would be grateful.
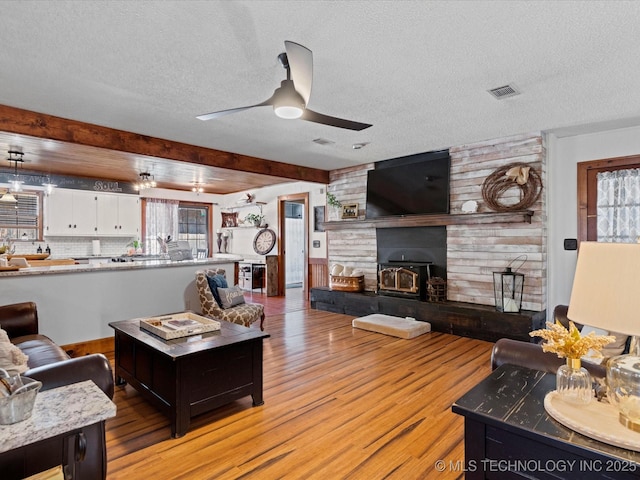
(318, 272)
(474, 250)
(356, 249)
(492, 247)
(272, 282)
(353, 248)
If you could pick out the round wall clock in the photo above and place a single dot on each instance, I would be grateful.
(264, 241)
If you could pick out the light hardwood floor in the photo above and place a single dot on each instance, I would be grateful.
(339, 403)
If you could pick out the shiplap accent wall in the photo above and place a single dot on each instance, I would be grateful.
(354, 248)
(473, 251)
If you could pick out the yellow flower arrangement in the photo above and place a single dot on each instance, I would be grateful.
(569, 343)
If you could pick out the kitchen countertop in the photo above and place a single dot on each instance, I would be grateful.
(58, 411)
(135, 265)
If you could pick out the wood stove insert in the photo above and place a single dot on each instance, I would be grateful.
(404, 279)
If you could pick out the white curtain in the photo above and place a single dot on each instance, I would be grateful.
(161, 218)
(618, 206)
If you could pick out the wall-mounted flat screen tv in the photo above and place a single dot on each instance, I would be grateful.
(413, 185)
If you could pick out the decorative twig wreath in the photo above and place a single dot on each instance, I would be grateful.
(518, 175)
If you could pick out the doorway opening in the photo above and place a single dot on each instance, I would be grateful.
(293, 243)
(294, 226)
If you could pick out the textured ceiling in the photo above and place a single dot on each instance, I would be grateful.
(418, 71)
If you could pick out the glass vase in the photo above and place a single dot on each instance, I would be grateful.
(623, 382)
(573, 382)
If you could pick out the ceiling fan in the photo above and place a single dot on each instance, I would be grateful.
(291, 98)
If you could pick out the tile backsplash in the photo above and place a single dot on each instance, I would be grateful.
(72, 247)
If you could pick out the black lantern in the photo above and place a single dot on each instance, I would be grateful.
(507, 288)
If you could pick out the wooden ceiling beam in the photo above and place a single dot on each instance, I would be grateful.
(25, 122)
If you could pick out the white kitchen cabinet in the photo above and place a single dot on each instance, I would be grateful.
(85, 213)
(118, 215)
(71, 212)
(129, 214)
(107, 217)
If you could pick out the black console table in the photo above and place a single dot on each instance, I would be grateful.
(465, 319)
(508, 434)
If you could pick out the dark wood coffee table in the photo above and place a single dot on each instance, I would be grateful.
(191, 375)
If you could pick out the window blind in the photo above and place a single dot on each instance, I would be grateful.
(23, 214)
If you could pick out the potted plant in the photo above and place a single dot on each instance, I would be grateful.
(134, 247)
(334, 206)
(254, 218)
(332, 201)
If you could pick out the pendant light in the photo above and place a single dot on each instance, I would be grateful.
(48, 186)
(146, 181)
(15, 157)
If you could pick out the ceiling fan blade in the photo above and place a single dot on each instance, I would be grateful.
(222, 113)
(301, 67)
(311, 116)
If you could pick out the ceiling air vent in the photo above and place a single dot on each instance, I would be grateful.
(504, 92)
(322, 141)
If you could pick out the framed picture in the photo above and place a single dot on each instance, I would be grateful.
(229, 219)
(350, 211)
(318, 219)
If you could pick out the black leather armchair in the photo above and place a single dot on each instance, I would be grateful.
(47, 361)
(525, 354)
(52, 366)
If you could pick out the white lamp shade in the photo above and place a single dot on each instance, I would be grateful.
(605, 290)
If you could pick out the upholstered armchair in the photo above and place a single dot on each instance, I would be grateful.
(528, 354)
(242, 314)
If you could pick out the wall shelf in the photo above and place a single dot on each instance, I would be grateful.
(230, 214)
(245, 205)
(520, 216)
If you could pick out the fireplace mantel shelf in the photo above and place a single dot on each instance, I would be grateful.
(520, 216)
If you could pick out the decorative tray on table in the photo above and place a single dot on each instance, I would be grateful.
(597, 420)
(178, 325)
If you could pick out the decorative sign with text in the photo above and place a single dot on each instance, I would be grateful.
(75, 183)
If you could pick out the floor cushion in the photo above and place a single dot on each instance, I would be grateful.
(394, 326)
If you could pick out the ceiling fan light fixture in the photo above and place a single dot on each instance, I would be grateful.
(287, 103)
(290, 101)
(288, 112)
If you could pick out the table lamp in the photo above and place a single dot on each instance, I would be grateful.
(605, 295)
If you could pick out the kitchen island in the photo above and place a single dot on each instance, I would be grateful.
(76, 303)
